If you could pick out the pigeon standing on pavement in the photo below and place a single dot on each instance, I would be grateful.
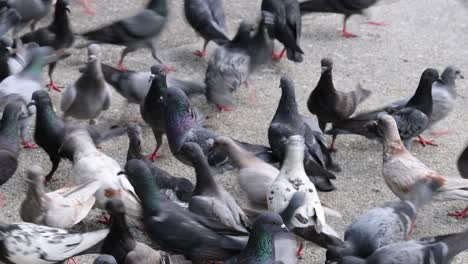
(207, 18)
(9, 144)
(62, 208)
(57, 35)
(138, 31)
(230, 64)
(288, 122)
(412, 119)
(25, 243)
(345, 7)
(331, 105)
(283, 22)
(210, 199)
(90, 95)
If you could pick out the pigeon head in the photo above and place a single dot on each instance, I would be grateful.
(134, 132)
(243, 32)
(40, 97)
(268, 223)
(422, 98)
(386, 127)
(140, 176)
(94, 52)
(184, 189)
(160, 69)
(192, 152)
(12, 110)
(105, 259)
(327, 64)
(450, 74)
(115, 208)
(287, 102)
(63, 5)
(35, 174)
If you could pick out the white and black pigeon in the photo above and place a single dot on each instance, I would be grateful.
(345, 7)
(284, 23)
(137, 31)
(24, 243)
(90, 95)
(207, 18)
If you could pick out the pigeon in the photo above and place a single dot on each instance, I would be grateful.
(105, 259)
(134, 32)
(57, 35)
(20, 87)
(90, 164)
(134, 86)
(19, 57)
(9, 144)
(121, 244)
(207, 18)
(230, 64)
(412, 119)
(88, 96)
(175, 229)
(51, 132)
(8, 20)
(288, 122)
(438, 250)
(382, 226)
(183, 125)
(292, 178)
(178, 190)
(30, 12)
(283, 22)
(255, 175)
(210, 199)
(25, 243)
(330, 105)
(268, 243)
(62, 208)
(444, 95)
(401, 170)
(345, 7)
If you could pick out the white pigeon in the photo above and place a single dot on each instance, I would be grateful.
(90, 164)
(291, 179)
(25, 243)
(62, 208)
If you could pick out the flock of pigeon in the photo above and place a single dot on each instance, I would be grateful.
(201, 222)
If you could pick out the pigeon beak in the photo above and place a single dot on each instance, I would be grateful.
(92, 58)
(151, 78)
(283, 226)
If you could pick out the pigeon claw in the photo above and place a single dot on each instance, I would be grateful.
(105, 220)
(29, 145)
(55, 87)
(154, 155)
(200, 53)
(300, 251)
(425, 142)
(121, 66)
(224, 108)
(278, 56)
(72, 260)
(347, 34)
(459, 214)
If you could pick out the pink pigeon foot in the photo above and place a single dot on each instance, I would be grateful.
(424, 142)
(200, 53)
(154, 155)
(224, 108)
(459, 214)
(300, 251)
(72, 260)
(121, 66)
(442, 132)
(28, 145)
(377, 23)
(55, 87)
(278, 56)
(87, 6)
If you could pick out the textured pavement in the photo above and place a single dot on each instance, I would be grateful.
(387, 60)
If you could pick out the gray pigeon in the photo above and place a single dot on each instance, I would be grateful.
(383, 226)
(105, 259)
(444, 95)
(437, 250)
(8, 20)
(30, 11)
(345, 7)
(134, 32)
(283, 21)
(24, 243)
(230, 64)
(89, 95)
(207, 18)
(412, 119)
(210, 199)
(20, 87)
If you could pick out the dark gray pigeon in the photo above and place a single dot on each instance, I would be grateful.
(178, 190)
(9, 143)
(207, 18)
(58, 35)
(230, 64)
(462, 163)
(134, 32)
(288, 122)
(30, 11)
(444, 95)
(331, 105)
(24, 243)
(269, 242)
(283, 21)
(437, 250)
(345, 7)
(90, 95)
(105, 259)
(383, 226)
(412, 119)
(183, 125)
(210, 199)
(173, 228)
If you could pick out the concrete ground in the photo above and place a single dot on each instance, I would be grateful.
(387, 60)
